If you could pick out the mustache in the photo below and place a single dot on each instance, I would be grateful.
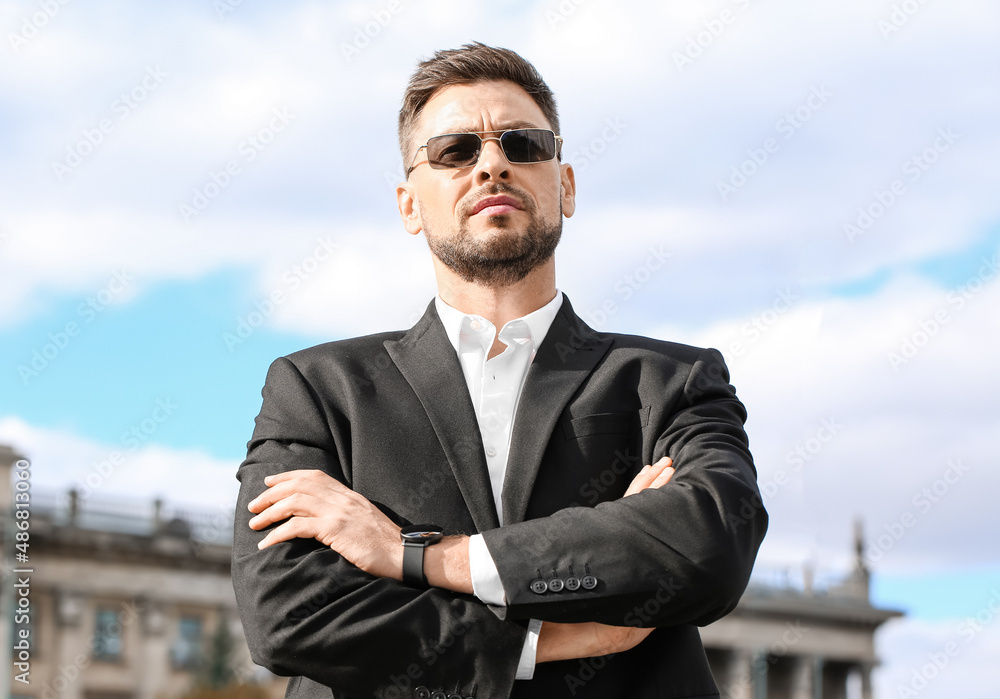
(493, 190)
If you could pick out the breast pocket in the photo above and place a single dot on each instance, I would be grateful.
(604, 423)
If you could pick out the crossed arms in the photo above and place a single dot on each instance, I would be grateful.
(314, 505)
(320, 593)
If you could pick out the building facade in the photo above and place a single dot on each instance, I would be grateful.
(127, 600)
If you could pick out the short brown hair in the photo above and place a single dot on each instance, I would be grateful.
(471, 63)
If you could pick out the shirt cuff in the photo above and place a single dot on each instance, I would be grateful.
(487, 587)
(526, 665)
(486, 583)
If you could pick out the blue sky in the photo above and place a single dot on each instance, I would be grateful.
(810, 188)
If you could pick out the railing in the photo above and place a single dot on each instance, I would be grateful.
(138, 517)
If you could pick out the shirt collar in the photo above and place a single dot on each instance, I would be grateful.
(539, 321)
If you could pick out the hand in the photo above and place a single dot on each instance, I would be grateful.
(591, 639)
(652, 476)
(318, 506)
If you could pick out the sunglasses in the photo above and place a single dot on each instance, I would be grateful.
(455, 150)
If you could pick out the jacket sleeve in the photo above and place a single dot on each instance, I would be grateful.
(676, 555)
(309, 612)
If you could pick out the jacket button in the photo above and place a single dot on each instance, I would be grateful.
(539, 587)
(454, 696)
(422, 693)
(439, 695)
(589, 582)
(572, 584)
(555, 585)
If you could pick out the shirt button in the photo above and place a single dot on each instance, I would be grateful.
(475, 325)
(491, 450)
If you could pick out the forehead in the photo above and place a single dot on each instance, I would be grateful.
(481, 106)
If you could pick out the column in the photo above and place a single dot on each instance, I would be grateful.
(866, 680)
(759, 669)
(154, 650)
(807, 677)
(72, 649)
(739, 676)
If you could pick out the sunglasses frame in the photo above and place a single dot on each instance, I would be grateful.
(482, 142)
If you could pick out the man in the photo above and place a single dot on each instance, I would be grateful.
(557, 565)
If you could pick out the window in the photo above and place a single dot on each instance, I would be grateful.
(107, 636)
(187, 649)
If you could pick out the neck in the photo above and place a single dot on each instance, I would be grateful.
(498, 304)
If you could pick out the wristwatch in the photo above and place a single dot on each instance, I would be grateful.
(416, 538)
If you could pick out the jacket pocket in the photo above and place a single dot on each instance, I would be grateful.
(604, 423)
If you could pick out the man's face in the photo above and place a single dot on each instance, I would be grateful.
(495, 221)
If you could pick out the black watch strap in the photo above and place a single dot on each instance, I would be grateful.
(413, 564)
(416, 538)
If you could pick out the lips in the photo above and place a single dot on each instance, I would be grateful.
(495, 206)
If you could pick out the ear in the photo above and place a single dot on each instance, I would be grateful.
(568, 182)
(409, 211)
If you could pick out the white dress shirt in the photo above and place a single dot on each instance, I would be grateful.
(495, 387)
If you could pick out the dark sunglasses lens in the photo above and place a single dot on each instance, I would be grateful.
(453, 150)
(529, 145)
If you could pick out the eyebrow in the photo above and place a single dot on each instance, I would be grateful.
(507, 126)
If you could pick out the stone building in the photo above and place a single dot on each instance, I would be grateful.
(126, 597)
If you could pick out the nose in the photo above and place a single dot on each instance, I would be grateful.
(492, 164)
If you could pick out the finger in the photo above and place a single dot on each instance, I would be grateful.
(304, 473)
(295, 528)
(278, 490)
(644, 479)
(294, 505)
(664, 477)
(641, 480)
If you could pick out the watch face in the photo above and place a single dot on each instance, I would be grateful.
(419, 532)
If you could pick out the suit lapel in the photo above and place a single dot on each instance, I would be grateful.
(567, 355)
(428, 362)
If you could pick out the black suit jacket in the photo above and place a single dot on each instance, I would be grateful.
(390, 415)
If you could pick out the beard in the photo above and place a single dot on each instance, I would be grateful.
(504, 258)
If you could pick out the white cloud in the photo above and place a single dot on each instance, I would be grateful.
(948, 658)
(890, 432)
(62, 460)
(330, 165)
